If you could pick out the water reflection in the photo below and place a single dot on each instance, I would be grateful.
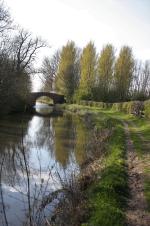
(33, 152)
(43, 109)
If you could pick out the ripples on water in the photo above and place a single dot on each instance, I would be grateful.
(34, 153)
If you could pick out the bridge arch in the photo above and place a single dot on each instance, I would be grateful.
(44, 97)
(57, 98)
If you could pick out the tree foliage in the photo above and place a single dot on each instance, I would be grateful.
(123, 74)
(17, 54)
(105, 69)
(87, 72)
(76, 74)
(81, 75)
(67, 75)
(14, 89)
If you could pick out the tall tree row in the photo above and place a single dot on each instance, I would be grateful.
(86, 75)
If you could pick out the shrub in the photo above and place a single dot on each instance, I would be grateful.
(131, 107)
(136, 107)
(126, 107)
(100, 104)
(109, 105)
(90, 103)
(104, 105)
(117, 107)
(84, 102)
(147, 108)
(94, 104)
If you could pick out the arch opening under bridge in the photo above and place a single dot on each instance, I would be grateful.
(33, 97)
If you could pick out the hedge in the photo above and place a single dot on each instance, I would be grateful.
(130, 107)
(147, 108)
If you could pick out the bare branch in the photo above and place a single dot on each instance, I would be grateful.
(25, 49)
(5, 18)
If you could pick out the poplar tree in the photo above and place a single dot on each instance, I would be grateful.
(105, 71)
(87, 72)
(123, 76)
(67, 76)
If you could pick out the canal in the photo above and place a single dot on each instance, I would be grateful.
(36, 155)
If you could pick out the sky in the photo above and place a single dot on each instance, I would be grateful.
(119, 22)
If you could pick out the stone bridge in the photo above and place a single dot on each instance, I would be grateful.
(57, 98)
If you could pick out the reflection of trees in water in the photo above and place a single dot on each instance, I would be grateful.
(82, 137)
(21, 180)
(11, 132)
(3, 219)
(11, 164)
(71, 136)
(64, 138)
(16, 170)
(43, 137)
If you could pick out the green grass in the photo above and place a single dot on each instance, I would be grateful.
(147, 186)
(139, 126)
(143, 128)
(107, 197)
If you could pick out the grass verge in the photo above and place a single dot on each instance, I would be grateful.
(107, 196)
(140, 135)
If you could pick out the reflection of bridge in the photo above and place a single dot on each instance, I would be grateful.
(53, 113)
(57, 98)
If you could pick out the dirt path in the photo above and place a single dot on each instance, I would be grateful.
(145, 143)
(136, 213)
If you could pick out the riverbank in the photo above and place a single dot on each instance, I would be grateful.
(110, 196)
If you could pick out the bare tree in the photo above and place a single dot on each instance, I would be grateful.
(49, 70)
(146, 78)
(141, 81)
(25, 49)
(5, 18)
(136, 82)
(16, 61)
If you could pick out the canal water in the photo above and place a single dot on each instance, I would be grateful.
(37, 153)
